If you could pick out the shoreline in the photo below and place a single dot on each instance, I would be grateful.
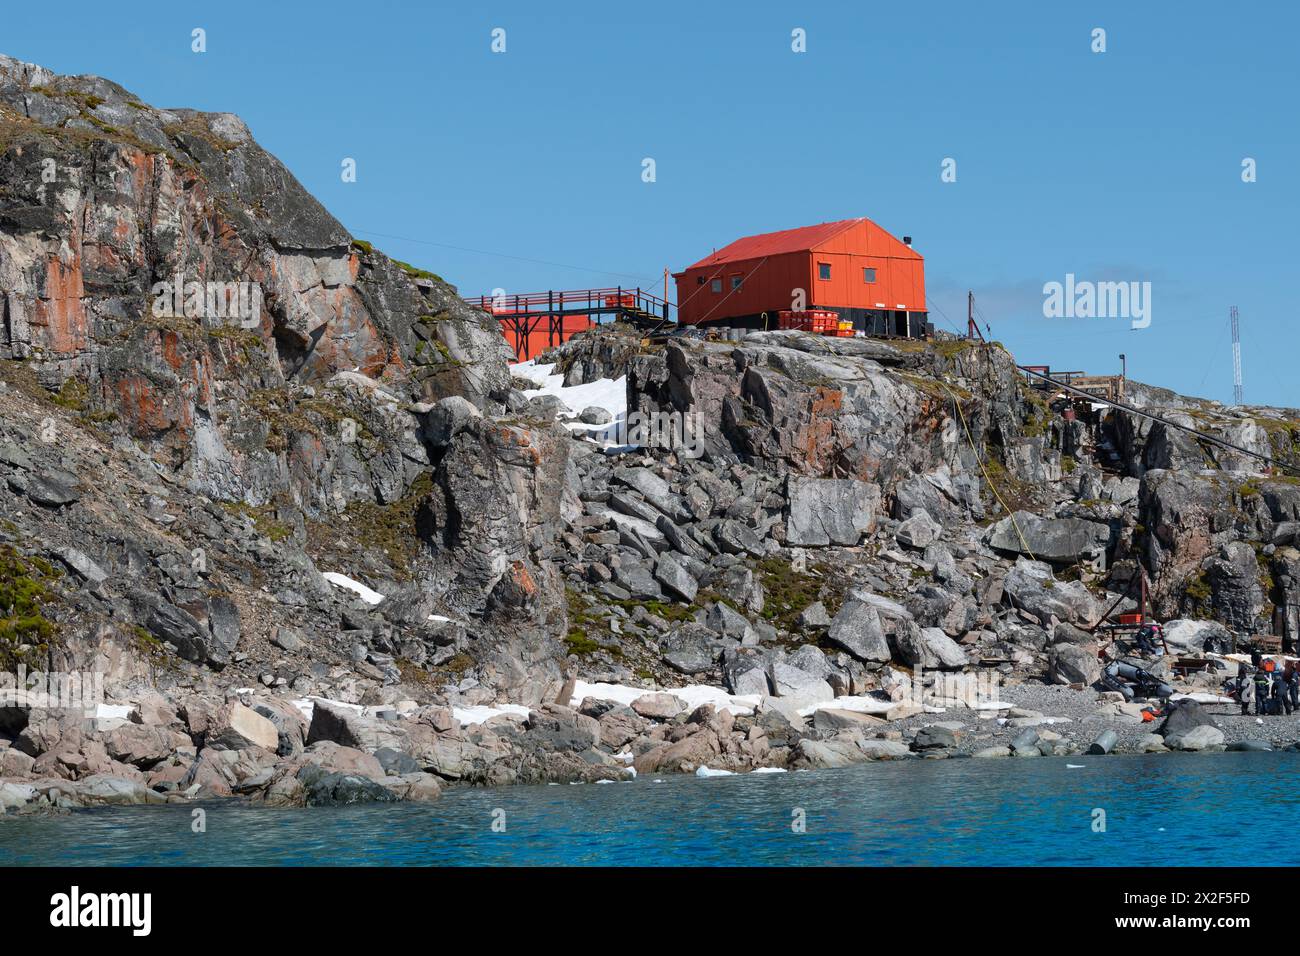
(552, 744)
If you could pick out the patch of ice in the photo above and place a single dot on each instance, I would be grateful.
(307, 706)
(343, 581)
(112, 711)
(858, 705)
(607, 393)
(468, 716)
(710, 772)
(691, 696)
(768, 770)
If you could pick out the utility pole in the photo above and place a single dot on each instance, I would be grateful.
(1236, 356)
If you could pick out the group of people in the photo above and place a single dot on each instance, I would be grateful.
(1273, 688)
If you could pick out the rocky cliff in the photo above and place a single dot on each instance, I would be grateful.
(240, 449)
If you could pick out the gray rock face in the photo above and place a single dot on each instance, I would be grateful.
(858, 630)
(1060, 540)
(934, 738)
(1030, 586)
(1073, 664)
(798, 687)
(1203, 737)
(829, 511)
(929, 647)
(324, 789)
(444, 420)
(201, 476)
(657, 706)
(692, 649)
(1187, 715)
(1188, 636)
(675, 579)
(918, 531)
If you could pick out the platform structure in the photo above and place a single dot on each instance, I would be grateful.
(536, 321)
(1106, 388)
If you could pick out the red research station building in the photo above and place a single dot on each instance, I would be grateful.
(851, 267)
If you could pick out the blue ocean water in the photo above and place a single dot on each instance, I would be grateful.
(1168, 809)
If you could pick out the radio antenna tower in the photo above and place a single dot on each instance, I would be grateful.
(1236, 356)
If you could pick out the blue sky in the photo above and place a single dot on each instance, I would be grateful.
(522, 170)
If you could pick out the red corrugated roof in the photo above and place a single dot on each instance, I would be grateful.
(776, 243)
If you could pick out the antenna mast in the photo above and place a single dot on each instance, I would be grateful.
(1236, 356)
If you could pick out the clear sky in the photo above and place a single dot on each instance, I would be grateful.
(523, 169)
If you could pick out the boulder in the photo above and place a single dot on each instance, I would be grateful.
(934, 737)
(1059, 540)
(928, 647)
(858, 630)
(1030, 586)
(235, 727)
(1184, 636)
(1185, 715)
(657, 706)
(326, 789)
(829, 511)
(918, 531)
(827, 754)
(675, 579)
(1203, 737)
(798, 687)
(1074, 664)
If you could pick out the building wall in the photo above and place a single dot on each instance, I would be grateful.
(899, 285)
(767, 286)
(900, 272)
(540, 339)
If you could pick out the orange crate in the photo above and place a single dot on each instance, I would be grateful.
(818, 321)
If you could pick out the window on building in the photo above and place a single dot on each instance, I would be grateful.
(823, 270)
(868, 275)
(735, 283)
(716, 285)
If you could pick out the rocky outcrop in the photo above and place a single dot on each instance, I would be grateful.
(328, 487)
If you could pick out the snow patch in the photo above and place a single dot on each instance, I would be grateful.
(468, 716)
(607, 393)
(691, 696)
(356, 587)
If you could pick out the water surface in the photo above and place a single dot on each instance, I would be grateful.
(1165, 809)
